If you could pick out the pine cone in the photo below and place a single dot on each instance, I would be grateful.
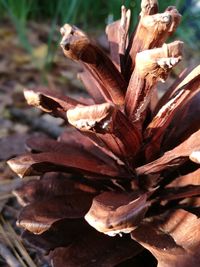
(127, 164)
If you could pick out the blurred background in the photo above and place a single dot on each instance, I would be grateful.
(30, 56)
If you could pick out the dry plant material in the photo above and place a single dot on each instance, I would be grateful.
(117, 34)
(123, 166)
(77, 46)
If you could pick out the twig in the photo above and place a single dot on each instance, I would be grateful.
(36, 123)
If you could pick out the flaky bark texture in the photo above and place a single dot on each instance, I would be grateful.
(127, 164)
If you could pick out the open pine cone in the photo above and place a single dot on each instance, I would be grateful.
(128, 164)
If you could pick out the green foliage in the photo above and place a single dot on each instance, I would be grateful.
(18, 13)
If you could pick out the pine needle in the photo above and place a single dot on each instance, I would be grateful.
(15, 244)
